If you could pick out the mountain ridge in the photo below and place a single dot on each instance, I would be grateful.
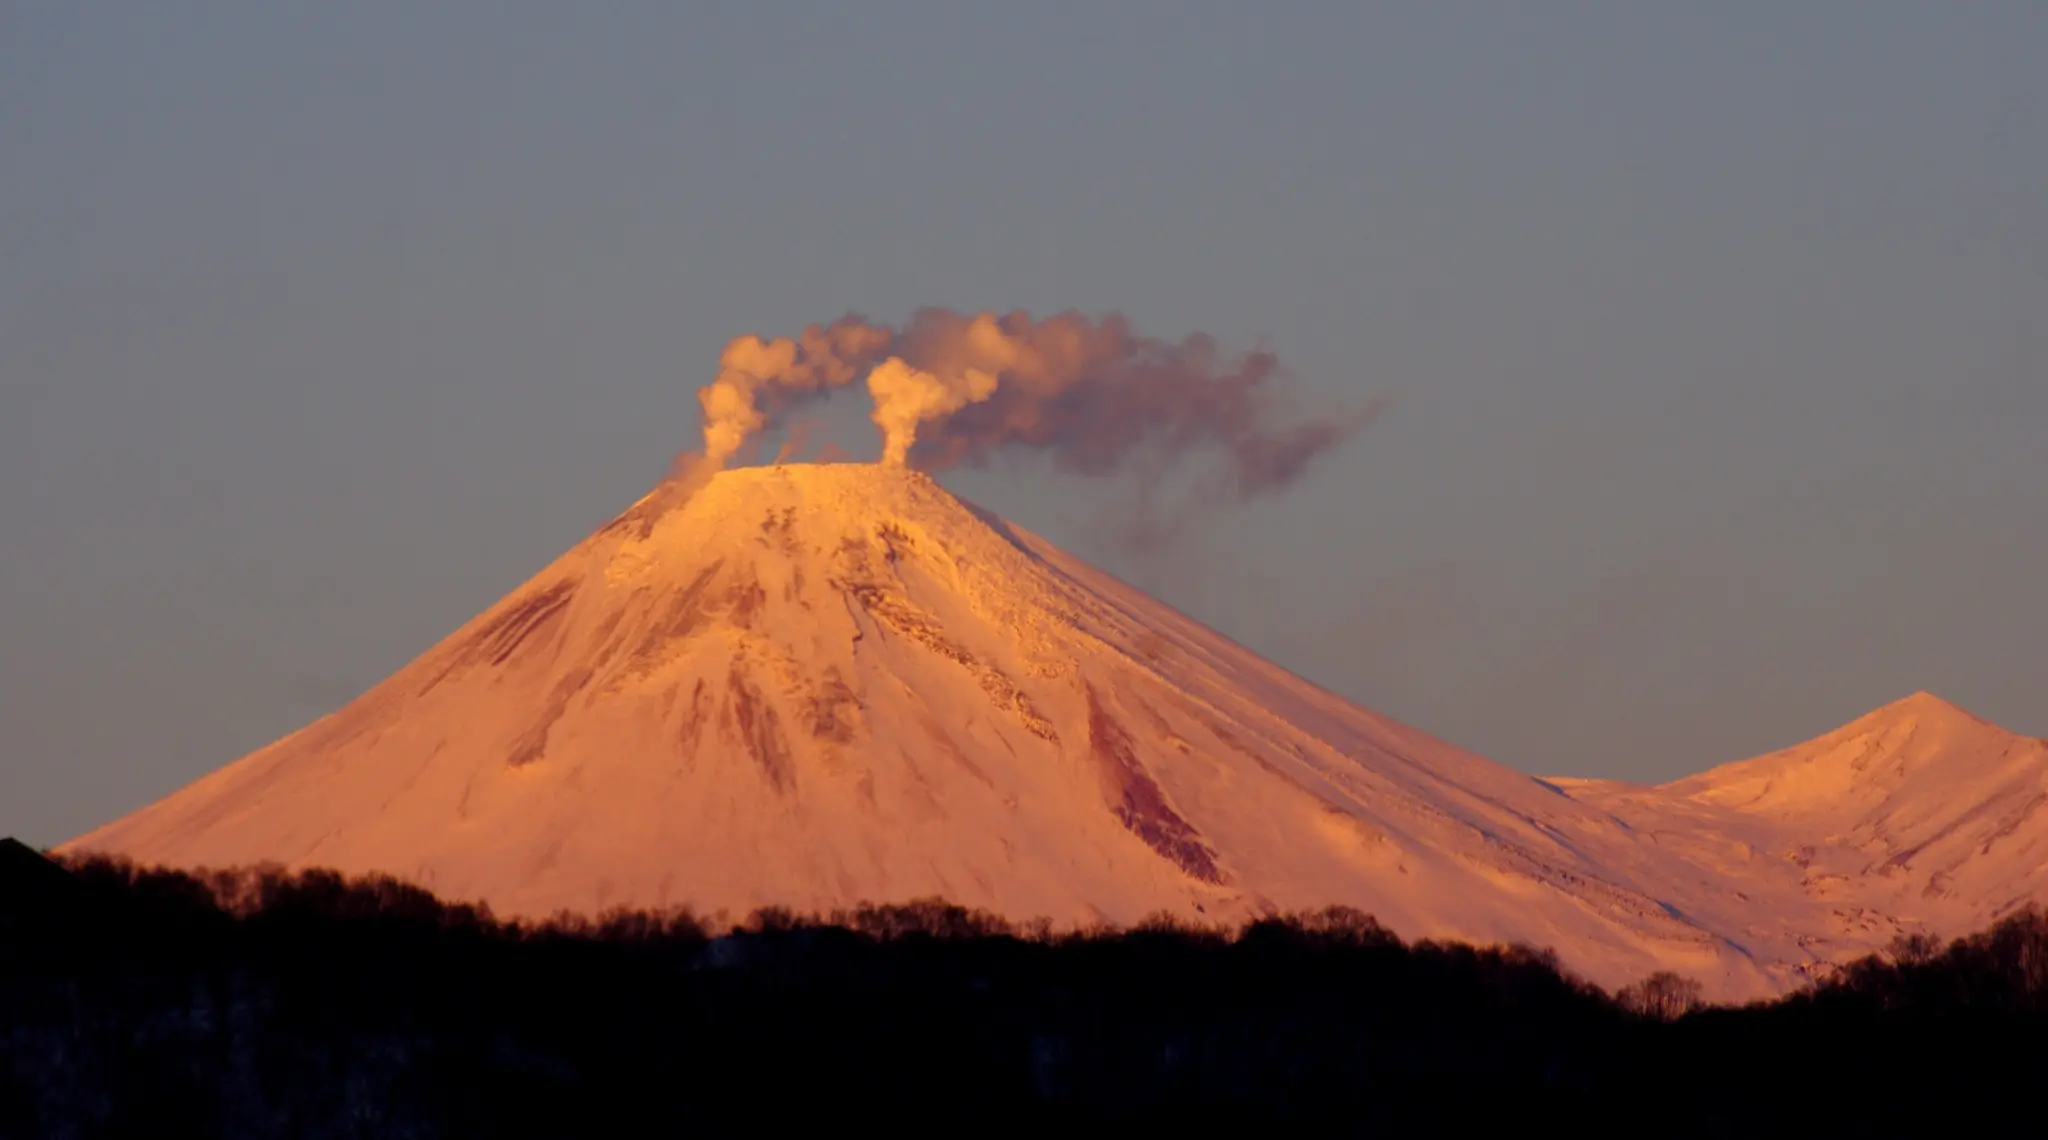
(1919, 810)
(810, 686)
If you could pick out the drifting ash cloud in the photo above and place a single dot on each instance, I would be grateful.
(1090, 395)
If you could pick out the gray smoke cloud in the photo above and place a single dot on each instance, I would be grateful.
(1089, 394)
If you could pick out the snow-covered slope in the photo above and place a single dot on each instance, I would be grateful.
(1917, 817)
(814, 685)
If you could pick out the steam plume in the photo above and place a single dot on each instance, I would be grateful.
(1089, 393)
(906, 396)
(758, 379)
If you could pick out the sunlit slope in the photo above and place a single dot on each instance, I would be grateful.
(1919, 817)
(814, 685)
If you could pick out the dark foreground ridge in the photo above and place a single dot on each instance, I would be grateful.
(148, 1002)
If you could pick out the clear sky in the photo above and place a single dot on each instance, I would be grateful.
(1716, 334)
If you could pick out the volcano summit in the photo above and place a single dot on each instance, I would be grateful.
(810, 686)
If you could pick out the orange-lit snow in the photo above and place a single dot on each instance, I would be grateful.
(814, 685)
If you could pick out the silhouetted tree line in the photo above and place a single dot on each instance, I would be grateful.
(156, 1003)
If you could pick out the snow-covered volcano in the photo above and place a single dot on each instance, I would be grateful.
(1918, 816)
(814, 685)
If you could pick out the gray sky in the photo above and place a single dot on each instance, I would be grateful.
(1717, 334)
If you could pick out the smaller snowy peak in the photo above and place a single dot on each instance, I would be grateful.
(1916, 816)
(1923, 712)
(1922, 799)
(1920, 739)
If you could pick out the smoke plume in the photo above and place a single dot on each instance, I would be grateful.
(1090, 394)
(758, 380)
(906, 396)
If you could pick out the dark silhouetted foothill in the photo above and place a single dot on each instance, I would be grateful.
(262, 1002)
(36, 895)
(29, 881)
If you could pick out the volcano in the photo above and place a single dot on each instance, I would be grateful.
(816, 685)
